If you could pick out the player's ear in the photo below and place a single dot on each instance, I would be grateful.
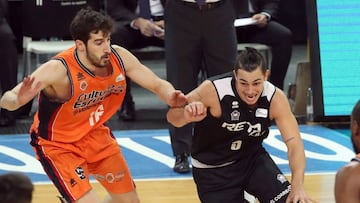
(267, 74)
(80, 45)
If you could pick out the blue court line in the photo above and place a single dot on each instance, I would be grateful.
(149, 156)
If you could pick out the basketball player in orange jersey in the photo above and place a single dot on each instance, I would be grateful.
(78, 91)
(347, 184)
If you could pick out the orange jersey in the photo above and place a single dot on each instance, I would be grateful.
(94, 100)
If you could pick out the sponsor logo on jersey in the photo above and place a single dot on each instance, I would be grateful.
(119, 78)
(88, 100)
(262, 113)
(251, 130)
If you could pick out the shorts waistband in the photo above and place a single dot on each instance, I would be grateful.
(205, 6)
(198, 164)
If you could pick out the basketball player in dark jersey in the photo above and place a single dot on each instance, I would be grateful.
(347, 184)
(232, 114)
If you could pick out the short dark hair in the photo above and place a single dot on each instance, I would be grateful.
(86, 21)
(249, 59)
(15, 187)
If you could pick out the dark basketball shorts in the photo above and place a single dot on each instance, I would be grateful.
(258, 176)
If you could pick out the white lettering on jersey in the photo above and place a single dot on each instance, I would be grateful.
(253, 130)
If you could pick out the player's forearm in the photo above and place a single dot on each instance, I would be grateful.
(175, 116)
(168, 94)
(9, 101)
(297, 166)
(166, 89)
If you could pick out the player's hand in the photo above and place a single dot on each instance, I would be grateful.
(28, 90)
(177, 99)
(195, 111)
(298, 195)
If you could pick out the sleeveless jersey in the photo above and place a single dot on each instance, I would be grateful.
(239, 131)
(94, 100)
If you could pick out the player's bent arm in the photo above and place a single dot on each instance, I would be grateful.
(192, 112)
(144, 77)
(43, 77)
(199, 101)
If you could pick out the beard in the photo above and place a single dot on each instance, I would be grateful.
(101, 62)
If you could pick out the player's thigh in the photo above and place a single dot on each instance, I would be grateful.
(267, 182)
(67, 170)
(222, 184)
(113, 174)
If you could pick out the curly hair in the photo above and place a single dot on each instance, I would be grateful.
(88, 21)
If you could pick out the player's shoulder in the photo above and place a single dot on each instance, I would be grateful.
(119, 49)
(351, 169)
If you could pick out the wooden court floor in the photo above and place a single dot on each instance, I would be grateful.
(319, 187)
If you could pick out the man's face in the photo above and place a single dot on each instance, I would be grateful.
(249, 85)
(98, 49)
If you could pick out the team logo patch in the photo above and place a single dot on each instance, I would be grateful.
(281, 178)
(80, 172)
(235, 115)
(83, 85)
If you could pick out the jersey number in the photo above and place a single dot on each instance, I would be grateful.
(236, 145)
(95, 115)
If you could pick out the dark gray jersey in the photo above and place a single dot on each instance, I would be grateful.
(240, 130)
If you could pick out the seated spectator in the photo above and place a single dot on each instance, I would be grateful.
(9, 62)
(266, 31)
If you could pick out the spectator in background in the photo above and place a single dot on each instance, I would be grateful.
(266, 31)
(9, 64)
(199, 35)
(15, 187)
(135, 29)
(347, 185)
